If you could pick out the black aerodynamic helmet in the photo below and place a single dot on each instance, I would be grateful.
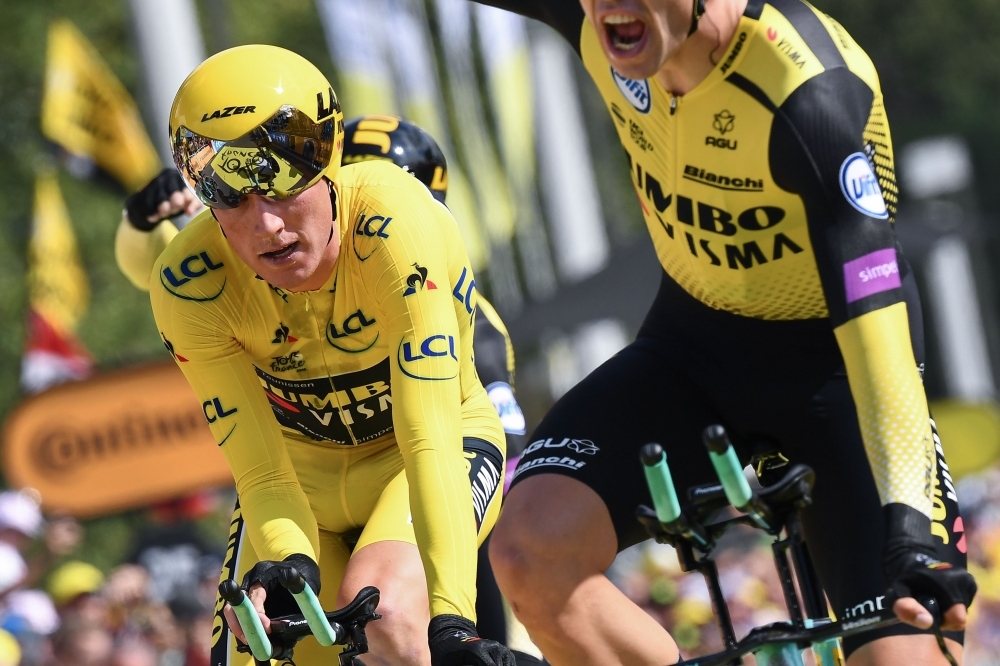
(401, 142)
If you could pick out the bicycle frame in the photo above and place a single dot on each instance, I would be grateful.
(775, 510)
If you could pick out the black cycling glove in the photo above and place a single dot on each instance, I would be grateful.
(279, 601)
(911, 565)
(454, 642)
(145, 202)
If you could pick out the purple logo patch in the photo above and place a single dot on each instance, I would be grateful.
(871, 274)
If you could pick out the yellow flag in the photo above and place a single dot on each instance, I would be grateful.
(87, 111)
(57, 284)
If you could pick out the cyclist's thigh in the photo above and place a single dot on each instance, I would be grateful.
(593, 433)
(390, 520)
(240, 558)
(843, 527)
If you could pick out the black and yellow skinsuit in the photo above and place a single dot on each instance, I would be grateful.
(786, 311)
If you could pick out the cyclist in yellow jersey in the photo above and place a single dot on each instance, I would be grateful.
(324, 318)
(145, 231)
(760, 152)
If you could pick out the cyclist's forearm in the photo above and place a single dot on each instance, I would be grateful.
(891, 404)
(439, 494)
(136, 251)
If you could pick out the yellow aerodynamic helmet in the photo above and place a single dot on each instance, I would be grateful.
(255, 119)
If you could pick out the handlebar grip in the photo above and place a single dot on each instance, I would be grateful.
(727, 466)
(933, 607)
(253, 628)
(660, 482)
(325, 633)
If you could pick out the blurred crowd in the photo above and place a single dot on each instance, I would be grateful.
(651, 576)
(155, 609)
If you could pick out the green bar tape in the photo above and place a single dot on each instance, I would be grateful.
(782, 654)
(312, 611)
(257, 639)
(661, 485)
(727, 466)
(828, 652)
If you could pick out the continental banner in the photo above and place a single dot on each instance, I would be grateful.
(87, 111)
(119, 441)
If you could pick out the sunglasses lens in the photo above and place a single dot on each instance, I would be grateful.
(278, 159)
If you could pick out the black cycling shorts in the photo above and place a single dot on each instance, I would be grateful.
(774, 385)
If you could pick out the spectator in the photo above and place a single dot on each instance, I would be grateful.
(80, 643)
(134, 653)
(75, 589)
(10, 651)
(20, 522)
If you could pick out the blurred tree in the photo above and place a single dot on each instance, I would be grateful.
(118, 328)
(939, 64)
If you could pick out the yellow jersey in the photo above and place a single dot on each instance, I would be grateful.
(381, 353)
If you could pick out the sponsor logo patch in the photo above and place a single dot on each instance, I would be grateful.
(871, 274)
(635, 92)
(579, 445)
(434, 358)
(861, 188)
(418, 280)
(511, 416)
(551, 461)
(363, 404)
(484, 464)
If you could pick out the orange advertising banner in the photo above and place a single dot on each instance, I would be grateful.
(121, 440)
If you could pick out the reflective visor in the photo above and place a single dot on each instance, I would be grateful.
(278, 159)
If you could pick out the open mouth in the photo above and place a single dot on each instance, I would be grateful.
(625, 33)
(281, 253)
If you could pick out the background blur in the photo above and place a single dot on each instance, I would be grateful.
(541, 190)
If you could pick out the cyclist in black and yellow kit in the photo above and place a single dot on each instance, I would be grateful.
(760, 152)
(324, 317)
(146, 230)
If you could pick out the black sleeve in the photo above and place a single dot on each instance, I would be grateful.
(829, 145)
(564, 16)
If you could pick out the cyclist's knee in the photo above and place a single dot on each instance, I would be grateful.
(399, 637)
(554, 532)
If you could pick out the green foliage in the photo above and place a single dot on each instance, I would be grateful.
(118, 327)
(939, 64)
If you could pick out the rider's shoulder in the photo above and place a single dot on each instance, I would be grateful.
(198, 265)
(377, 179)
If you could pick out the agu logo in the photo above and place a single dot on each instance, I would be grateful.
(861, 188)
(636, 92)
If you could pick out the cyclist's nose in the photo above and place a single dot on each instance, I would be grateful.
(266, 223)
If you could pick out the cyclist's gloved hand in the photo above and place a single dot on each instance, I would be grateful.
(912, 567)
(454, 642)
(280, 601)
(167, 195)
